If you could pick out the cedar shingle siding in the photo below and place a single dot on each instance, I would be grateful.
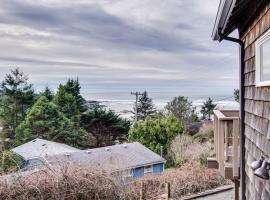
(257, 110)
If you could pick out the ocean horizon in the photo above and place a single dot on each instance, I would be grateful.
(123, 102)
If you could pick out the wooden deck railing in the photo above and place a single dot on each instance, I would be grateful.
(226, 142)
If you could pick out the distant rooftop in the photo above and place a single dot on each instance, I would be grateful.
(116, 157)
(42, 148)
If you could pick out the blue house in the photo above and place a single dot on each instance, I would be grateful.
(35, 152)
(131, 160)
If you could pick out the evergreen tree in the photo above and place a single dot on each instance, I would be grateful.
(16, 96)
(207, 108)
(183, 109)
(236, 95)
(69, 100)
(44, 120)
(106, 126)
(145, 107)
(47, 93)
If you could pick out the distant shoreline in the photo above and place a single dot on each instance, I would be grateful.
(124, 107)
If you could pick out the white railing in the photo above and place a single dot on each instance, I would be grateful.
(226, 140)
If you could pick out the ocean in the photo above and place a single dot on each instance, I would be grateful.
(122, 103)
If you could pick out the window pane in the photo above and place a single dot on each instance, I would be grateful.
(148, 169)
(265, 59)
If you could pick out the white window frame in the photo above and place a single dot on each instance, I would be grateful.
(148, 169)
(258, 59)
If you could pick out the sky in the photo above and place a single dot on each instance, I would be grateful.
(118, 45)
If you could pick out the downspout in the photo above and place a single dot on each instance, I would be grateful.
(242, 113)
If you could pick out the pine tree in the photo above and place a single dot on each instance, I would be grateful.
(69, 100)
(145, 107)
(236, 95)
(73, 87)
(106, 126)
(207, 108)
(16, 96)
(47, 93)
(44, 120)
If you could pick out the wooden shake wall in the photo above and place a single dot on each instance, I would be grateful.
(257, 109)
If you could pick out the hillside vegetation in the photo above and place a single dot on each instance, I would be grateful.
(86, 183)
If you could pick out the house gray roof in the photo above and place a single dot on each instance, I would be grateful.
(113, 158)
(42, 148)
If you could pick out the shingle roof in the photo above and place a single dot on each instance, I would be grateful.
(123, 156)
(42, 148)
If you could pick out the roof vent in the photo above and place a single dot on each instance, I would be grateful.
(124, 145)
(88, 151)
(107, 149)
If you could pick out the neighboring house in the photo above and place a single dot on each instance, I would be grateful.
(132, 159)
(252, 20)
(34, 153)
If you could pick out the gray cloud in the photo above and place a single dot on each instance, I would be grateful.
(117, 44)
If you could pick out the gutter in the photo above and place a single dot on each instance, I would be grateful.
(242, 112)
(224, 12)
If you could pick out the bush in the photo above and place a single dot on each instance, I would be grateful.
(69, 184)
(156, 133)
(206, 133)
(189, 179)
(180, 144)
(9, 162)
(184, 149)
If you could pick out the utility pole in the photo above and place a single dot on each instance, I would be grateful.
(137, 94)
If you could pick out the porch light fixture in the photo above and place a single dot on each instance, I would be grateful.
(257, 163)
(261, 168)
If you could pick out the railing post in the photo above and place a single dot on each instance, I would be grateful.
(215, 135)
(168, 191)
(142, 191)
(235, 148)
(226, 140)
(218, 141)
(221, 148)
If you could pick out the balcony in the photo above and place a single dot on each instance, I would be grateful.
(226, 143)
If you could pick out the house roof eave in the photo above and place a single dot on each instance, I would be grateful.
(224, 12)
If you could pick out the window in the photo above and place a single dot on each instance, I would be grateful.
(148, 169)
(127, 173)
(262, 46)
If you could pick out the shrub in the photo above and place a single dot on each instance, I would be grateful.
(9, 162)
(189, 179)
(180, 144)
(184, 149)
(206, 133)
(156, 133)
(69, 184)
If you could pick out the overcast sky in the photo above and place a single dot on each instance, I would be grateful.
(118, 45)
